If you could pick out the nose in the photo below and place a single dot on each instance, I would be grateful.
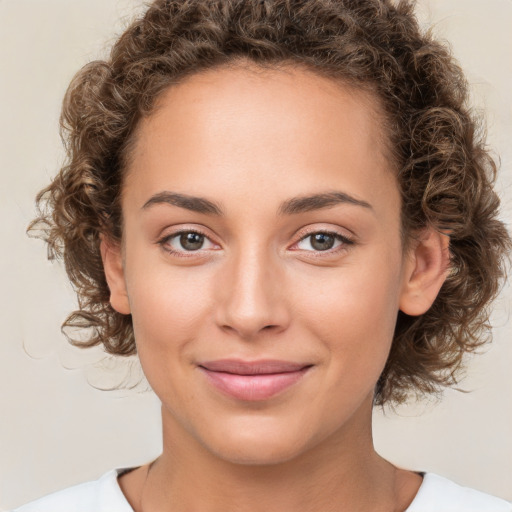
(251, 297)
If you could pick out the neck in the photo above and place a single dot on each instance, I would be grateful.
(341, 472)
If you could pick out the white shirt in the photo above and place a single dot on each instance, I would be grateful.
(436, 494)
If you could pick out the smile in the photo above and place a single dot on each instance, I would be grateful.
(252, 381)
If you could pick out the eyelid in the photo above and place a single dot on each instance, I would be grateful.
(164, 240)
(346, 241)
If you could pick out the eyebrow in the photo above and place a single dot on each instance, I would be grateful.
(318, 202)
(192, 203)
(291, 206)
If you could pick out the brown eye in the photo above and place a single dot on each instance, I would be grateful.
(191, 241)
(183, 242)
(322, 241)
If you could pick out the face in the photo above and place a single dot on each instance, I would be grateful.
(261, 223)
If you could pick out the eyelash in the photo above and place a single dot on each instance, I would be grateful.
(345, 242)
(180, 254)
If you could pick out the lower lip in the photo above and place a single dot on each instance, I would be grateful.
(253, 387)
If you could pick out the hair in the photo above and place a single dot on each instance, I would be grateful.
(444, 170)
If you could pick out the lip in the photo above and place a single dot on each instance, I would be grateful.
(253, 380)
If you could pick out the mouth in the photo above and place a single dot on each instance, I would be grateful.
(253, 380)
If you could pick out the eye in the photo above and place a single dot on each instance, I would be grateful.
(189, 241)
(323, 241)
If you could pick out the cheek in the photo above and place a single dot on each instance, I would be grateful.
(168, 304)
(353, 312)
(169, 312)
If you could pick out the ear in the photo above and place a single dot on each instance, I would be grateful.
(114, 273)
(425, 271)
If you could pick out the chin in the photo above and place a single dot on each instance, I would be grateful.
(256, 446)
(258, 454)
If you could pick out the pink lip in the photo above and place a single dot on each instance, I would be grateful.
(255, 380)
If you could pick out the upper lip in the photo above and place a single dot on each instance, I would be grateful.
(262, 366)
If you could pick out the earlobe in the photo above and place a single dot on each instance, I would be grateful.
(425, 272)
(114, 273)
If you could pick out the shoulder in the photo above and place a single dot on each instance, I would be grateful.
(102, 495)
(438, 493)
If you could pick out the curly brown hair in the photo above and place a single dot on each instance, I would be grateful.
(445, 172)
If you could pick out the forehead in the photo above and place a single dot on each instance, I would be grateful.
(247, 93)
(268, 128)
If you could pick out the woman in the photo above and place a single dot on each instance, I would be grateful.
(284, 210)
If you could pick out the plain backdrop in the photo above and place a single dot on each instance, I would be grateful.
(56, 427)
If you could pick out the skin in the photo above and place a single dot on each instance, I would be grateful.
(258, 288)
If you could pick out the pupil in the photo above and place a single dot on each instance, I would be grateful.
(322, 241)
(191, 241)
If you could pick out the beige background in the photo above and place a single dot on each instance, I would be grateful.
(55, 428)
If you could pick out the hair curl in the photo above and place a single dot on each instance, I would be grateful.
(444, 170)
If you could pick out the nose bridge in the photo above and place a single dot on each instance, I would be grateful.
(252, 297)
